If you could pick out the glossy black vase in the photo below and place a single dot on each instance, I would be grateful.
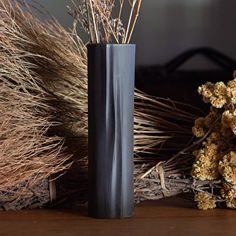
(111, 71)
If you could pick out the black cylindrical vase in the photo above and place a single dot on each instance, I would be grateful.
(111, 70)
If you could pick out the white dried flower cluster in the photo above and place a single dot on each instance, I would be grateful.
(216, 159)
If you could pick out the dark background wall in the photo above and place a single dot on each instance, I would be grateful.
(168, 27)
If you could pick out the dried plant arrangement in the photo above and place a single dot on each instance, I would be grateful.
(57, 61)
(215, 160)
(162, 127)
(102, 19)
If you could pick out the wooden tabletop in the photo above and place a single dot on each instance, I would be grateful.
(168, 217)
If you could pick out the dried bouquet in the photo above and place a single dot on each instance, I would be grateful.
(103, 21)
(215, 161)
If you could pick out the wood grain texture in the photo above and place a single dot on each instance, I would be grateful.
(169, 217)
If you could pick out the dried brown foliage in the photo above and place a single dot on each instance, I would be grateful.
(55, 68)
(28, 155)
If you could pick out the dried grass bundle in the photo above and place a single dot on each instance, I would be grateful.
(29, 156)
(56, 62)
(162, 126)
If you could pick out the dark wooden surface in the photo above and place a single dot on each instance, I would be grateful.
(168, 217)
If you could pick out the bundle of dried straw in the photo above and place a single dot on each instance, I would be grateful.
(29, 155)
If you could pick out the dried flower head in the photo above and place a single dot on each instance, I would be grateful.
(207, 159)
(227, 167)
(214, 94)
(203, 124)
(205, 201)
(229, 120)
(231, 91)
(228, 192)
(199, 129)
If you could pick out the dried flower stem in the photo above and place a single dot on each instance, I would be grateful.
(119, 16)
(135, 21)
(105, 21)
(94, 22)
(90, 28)
(130, 19)
(135, 7)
